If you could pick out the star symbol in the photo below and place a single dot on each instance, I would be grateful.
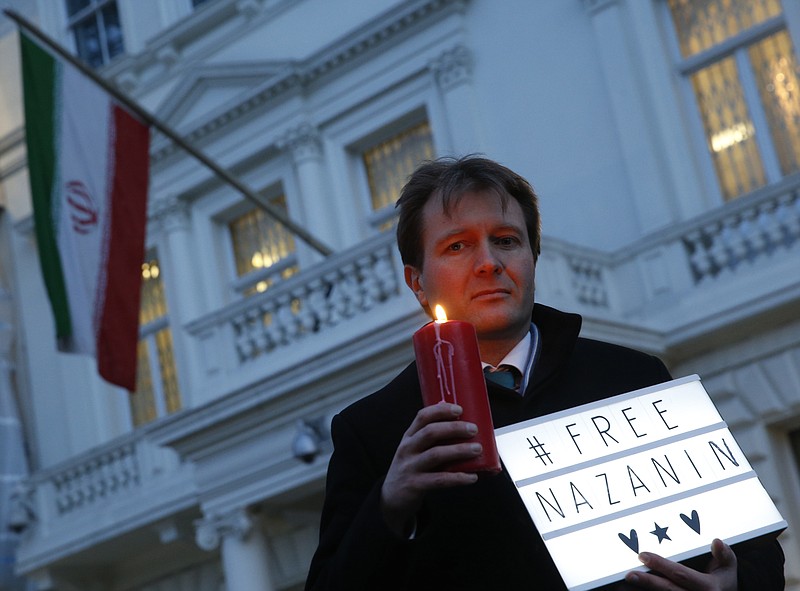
(661, 533)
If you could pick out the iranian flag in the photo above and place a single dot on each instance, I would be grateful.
(88, 161)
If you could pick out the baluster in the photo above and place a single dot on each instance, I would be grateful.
(351, 290)
(315, 311)
(769, 223)
(336, 299)
(699, 262)
(717, 250)
(385, 274)
(370, 286)
(242, 340)
(282, 320)
(260, 322)
(754, 242)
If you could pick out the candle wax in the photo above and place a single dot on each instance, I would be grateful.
(449, 369)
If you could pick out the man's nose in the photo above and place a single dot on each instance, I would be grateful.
(487, 261)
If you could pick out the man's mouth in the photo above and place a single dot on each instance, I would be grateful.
(487, 293)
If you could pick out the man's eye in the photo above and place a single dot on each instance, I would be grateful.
(456, 246)
(507, 241)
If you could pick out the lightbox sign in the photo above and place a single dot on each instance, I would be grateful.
(653, 470)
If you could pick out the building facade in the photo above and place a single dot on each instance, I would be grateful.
(663, 138)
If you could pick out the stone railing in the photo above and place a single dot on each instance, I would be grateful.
(106, 474)
(745, 233)
(100, 478)
(318, 299)
(633, 285)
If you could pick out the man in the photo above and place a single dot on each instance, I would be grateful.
(394, 517)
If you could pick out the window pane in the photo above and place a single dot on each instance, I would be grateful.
(701, 24)
(166, 362)
(156, 377)
(390, 163)
(154, 304)
(778, 74)
(729, 131)
(87, 40)
(259, 241)
(113, 30)
(142, 402)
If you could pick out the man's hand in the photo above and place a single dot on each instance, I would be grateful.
(667, 575)
(427, 447)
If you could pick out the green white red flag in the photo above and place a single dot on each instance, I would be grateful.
(88, 160)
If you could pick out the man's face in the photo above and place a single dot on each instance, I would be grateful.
(478, 264)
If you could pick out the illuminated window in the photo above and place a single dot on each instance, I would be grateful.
(745, 75)
(97, 30)
(263, 249)
(157, 391)
(389, 164)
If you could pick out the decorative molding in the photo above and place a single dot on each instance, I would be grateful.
(168, 55)
(126, 81)
(453, 68)
(170, 214)
(298, 75)
(303, 141)
(212, 529)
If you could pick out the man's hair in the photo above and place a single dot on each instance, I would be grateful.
(448, 179)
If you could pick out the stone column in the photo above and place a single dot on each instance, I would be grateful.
(633, 111)
(305, 146)
(179, 260)
(452, 71)
(243, 548)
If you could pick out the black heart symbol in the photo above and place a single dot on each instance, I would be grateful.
(631, 542)
(693, 521)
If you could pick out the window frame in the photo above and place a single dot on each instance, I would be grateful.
(238, 285)
(375, 218)
(736, 47)
(94, 11)
(148, 332)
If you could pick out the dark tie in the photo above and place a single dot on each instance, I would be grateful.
(505, 376)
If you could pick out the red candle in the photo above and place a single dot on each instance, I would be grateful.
(449, 368)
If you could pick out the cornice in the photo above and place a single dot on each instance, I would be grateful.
(375, 36)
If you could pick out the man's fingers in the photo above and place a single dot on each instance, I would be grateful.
(722, 555)
(667, 575)
(431, 414)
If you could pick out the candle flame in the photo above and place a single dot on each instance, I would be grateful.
(440, 315)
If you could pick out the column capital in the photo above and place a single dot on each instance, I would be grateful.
(303, 141)
(170, 213)
(210, 530)
(453, 67)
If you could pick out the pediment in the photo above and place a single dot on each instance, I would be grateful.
(210, 89)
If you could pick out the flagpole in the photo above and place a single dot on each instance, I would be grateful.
(167, 131)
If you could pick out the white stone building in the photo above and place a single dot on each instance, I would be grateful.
(662, 136)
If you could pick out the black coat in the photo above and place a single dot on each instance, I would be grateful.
(479, 536)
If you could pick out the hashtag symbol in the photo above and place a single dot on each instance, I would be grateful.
(538, 448)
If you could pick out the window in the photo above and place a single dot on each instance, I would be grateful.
(97, 30)
(157, 391)
(743, 69)
(388, 166)
(263, 249)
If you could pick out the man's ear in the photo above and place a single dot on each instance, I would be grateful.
(414, 281)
